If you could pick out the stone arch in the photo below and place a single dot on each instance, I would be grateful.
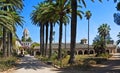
(86, 52)
(68, 52)
(80, 52)
(91, 51)
(107, 51)
(55, 52)
(75, 52)
(38, 53)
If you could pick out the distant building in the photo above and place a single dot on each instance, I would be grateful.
(26, 40)
(80, 48)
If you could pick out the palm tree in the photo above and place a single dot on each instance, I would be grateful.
(98, 45)
(62, 9)
(6, 24)
(10, 6)
(47, 25)
(74, 28)
(88, 15)
(103, 31)
(37, 20)
(44, 14)
(46, 42)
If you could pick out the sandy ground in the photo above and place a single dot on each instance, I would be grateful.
(31, 65)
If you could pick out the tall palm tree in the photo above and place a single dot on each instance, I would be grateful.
(88, 16)
(46, 39)
(43, 14)
(103, 31)
(62, 9)
(6, 23)
(74, 28)
(47, 25)
(37, 20)
(10, 5)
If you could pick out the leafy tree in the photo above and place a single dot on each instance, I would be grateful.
(98, 45)
(29, 39)
(117, 18)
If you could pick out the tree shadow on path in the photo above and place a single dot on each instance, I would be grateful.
(29, 62)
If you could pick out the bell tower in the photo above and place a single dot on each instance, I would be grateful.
(26, 34)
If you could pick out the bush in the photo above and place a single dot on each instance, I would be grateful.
(1, 53)
(105, 55)
(98, 60)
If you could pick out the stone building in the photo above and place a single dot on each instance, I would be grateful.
(81, 48)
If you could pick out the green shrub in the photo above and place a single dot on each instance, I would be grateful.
(1, 53)
(105, 55)
(25, 52)
(98, 60)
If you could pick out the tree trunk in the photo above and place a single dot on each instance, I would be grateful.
(11, 43)
(8, 44)
(73, 30)
(88, 38)
(43, 51)
(50, 40)
(46, 43)
(65, 37)
(42, 39)
(104, 44)
(60, 39)
(4, 43)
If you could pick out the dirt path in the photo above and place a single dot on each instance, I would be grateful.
(112, 66)
(31, 65)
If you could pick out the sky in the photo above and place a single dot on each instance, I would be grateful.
(101, 13)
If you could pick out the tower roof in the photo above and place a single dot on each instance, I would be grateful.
(25, 30)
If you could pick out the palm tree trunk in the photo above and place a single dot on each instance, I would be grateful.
(4, 43)
(41, 39)
(73, 30)
(60, 38)
(65, 36)
(11, 43)
(50, 40)
(88, 38)
(43, 51)
(8, 44)
(104, 45)
(46, 43)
